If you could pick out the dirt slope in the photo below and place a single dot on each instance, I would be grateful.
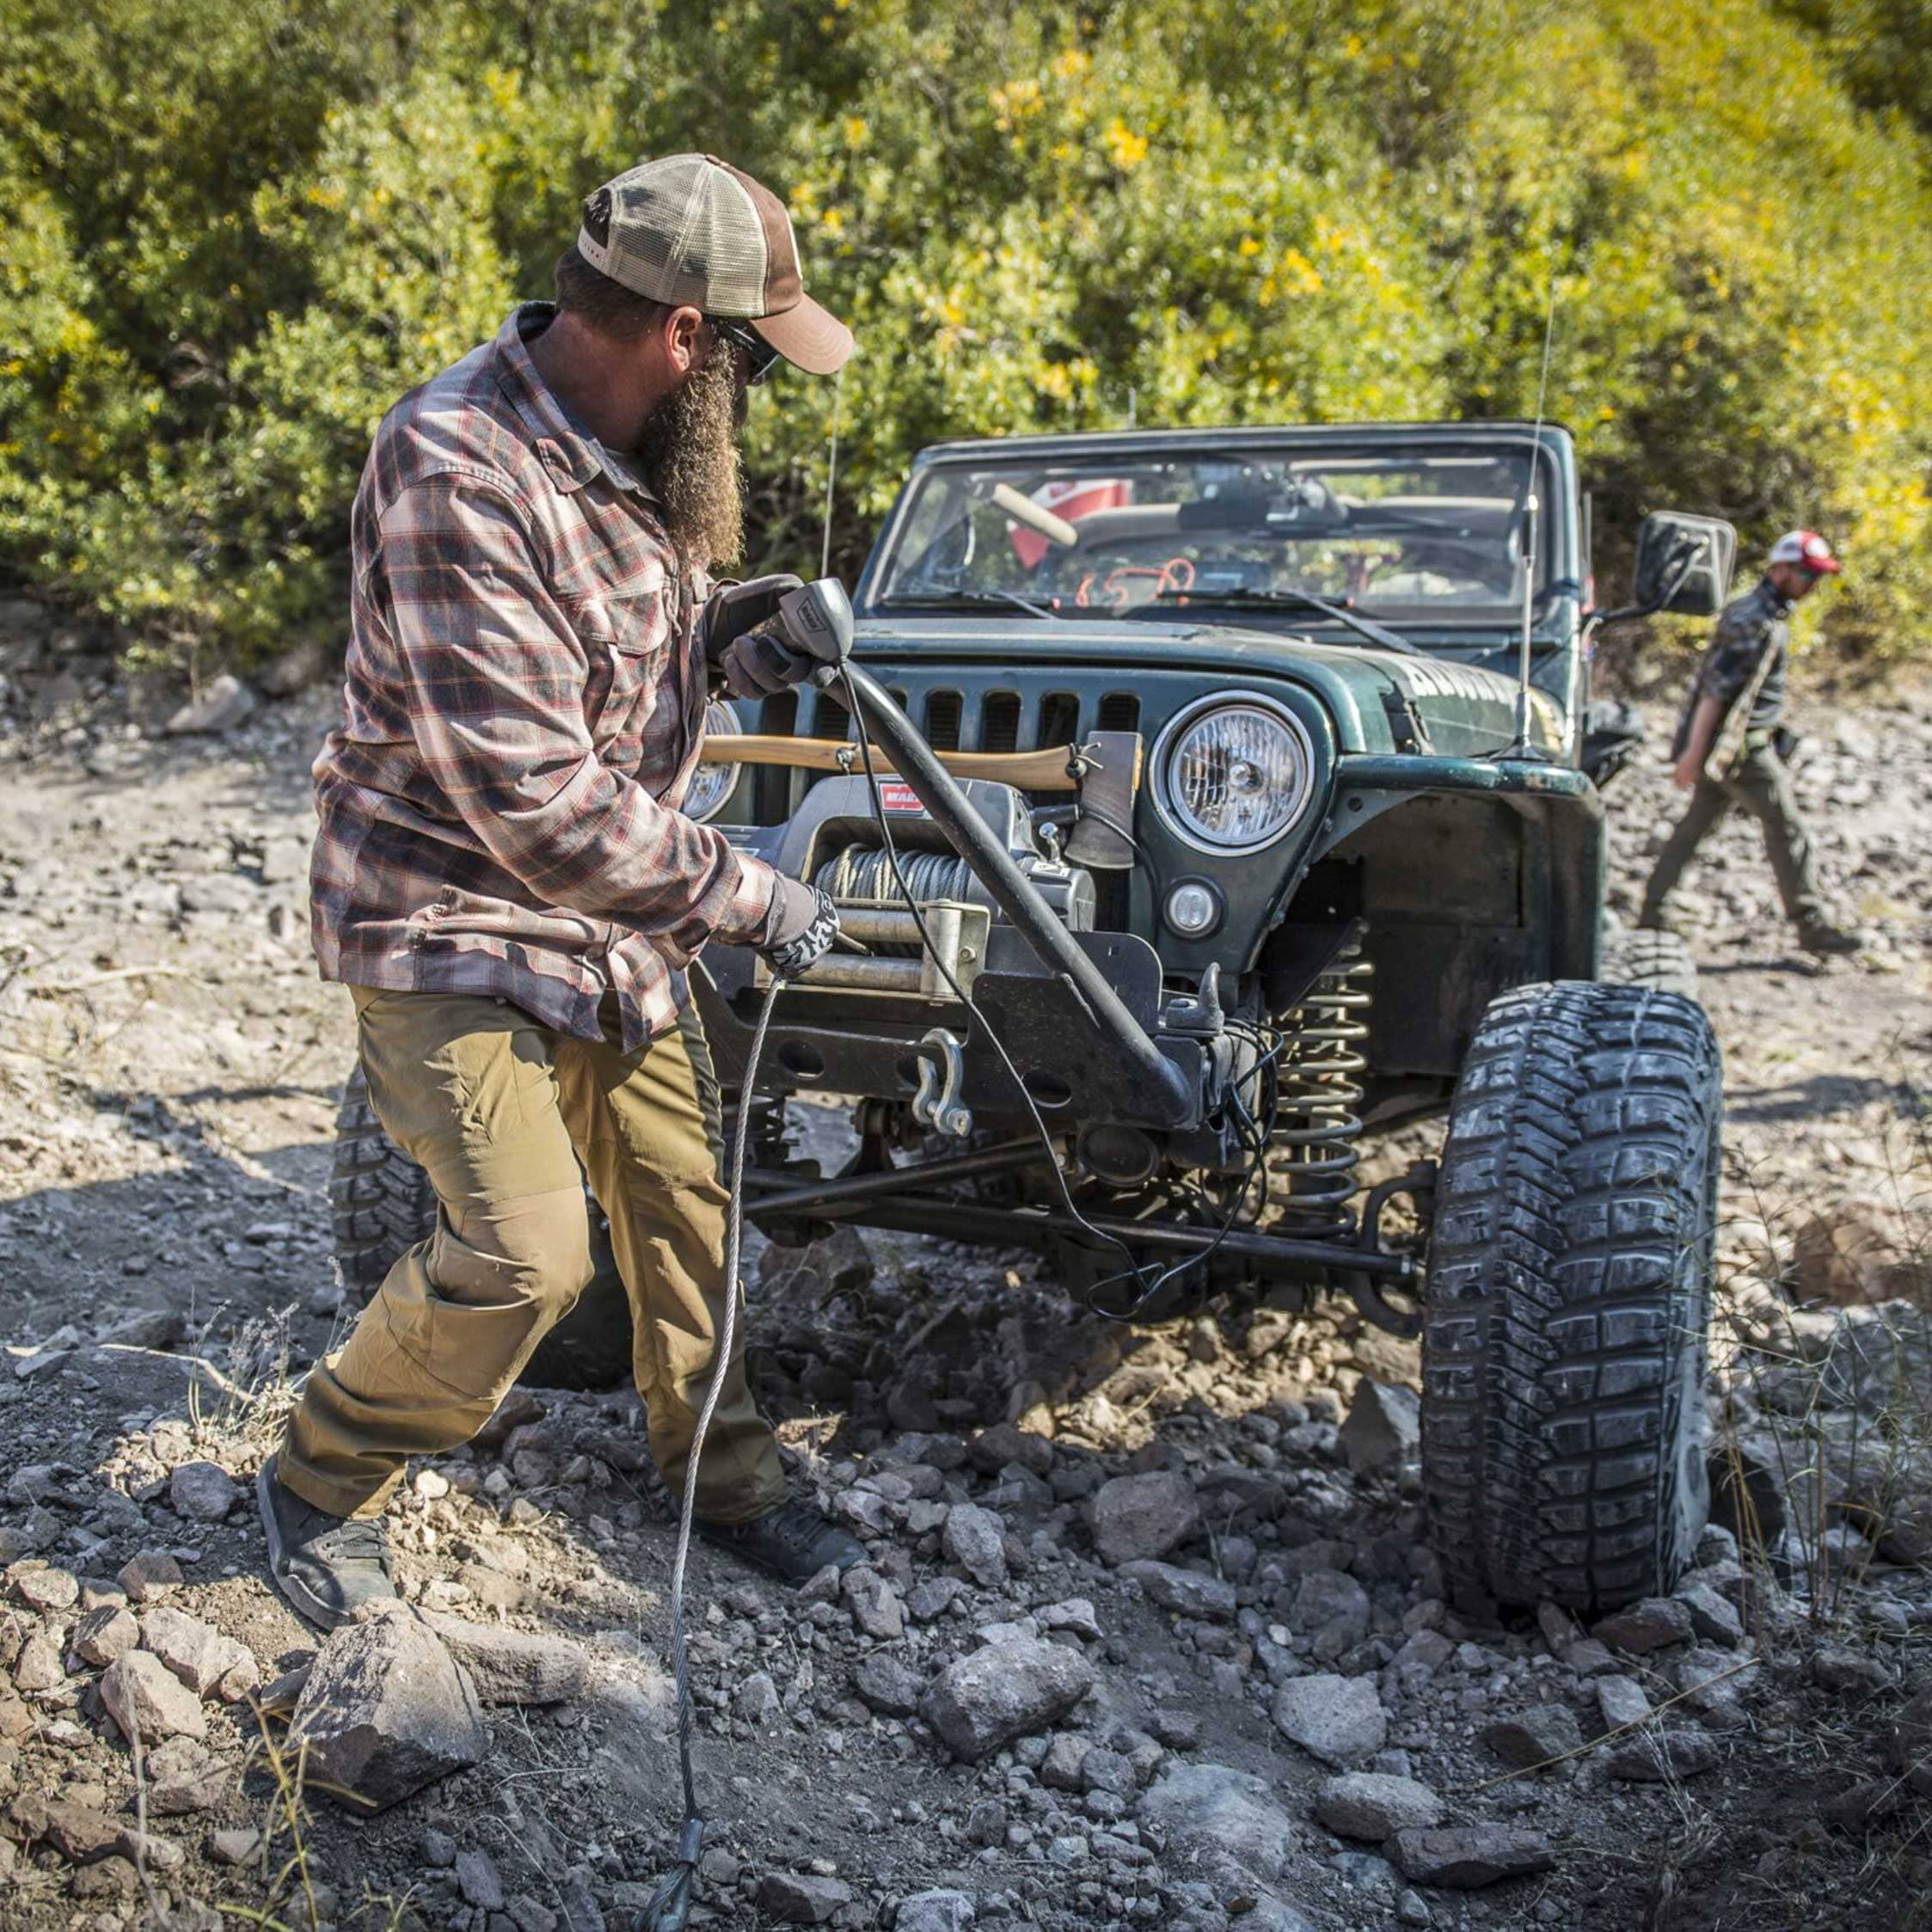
(167, 1075)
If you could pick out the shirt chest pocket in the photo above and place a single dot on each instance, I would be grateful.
(628, 643)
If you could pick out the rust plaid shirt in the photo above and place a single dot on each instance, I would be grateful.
(522, 710)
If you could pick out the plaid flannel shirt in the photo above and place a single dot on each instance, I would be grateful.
(522, 711)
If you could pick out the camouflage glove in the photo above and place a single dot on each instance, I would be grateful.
(752, 666)
(802, 925)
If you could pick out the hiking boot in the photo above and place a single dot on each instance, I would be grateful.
(327, 1565)
(792, 1542)
(1830, 941)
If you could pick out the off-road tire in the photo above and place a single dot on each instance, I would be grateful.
(1565, 1331)
(382, 1203)
(1660, 960)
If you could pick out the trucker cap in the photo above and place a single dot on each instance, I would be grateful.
(690, 229)
(1807, 549)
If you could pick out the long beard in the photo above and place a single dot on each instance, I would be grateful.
(688, 454)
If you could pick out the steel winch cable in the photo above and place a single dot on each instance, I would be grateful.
(672, 1903)
(883, 871)
(865, 872)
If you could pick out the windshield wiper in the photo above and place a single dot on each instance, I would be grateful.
(1297, 600)
(968, 600)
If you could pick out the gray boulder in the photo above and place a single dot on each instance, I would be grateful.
(479, 1880)
(985, 1700)
(801, 1899)
(1186, 1593)
(508, 1667)
(1373, 1806)
(1661, 1753)
(103, 1634)
(1536, 1737)
(224, 703)
(756, 1701)
(1339, 1719)
(975, 1539)
(1848, 1672)
(1138, 1517)
(147, 1701)
(877, 1612)
(1623, 1701)
(202, 1492)
(935, 1911)
(1332, 1610)
(202, 1657)
(1642, 1628)
(1465, 1856)
(46, 1587)
(150, 1576)
(1384, 1430)
(1712, 1616)
(1209, 1814)
(385, 1711)
(889, 1684)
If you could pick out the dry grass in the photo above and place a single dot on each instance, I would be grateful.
(1825, 1431)
(1829, 1407)
(238, 1401)
(293, 1899)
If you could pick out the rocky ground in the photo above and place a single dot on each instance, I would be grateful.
(1148, 1636)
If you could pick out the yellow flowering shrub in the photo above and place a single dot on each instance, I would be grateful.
(233, 232)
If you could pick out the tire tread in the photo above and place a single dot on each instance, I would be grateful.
(1578, 1163)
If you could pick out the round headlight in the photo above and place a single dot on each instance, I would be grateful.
(712, 784)
(1233, 776)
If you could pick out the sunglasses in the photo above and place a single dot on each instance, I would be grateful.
(759, 355)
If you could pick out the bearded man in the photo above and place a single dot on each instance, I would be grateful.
(503, 879)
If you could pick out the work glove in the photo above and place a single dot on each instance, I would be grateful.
(800, 929)
(752, 666)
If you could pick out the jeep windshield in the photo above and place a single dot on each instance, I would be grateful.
(1433, 536)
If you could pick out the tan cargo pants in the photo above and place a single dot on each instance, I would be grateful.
(1760, 784)
(499, 1111)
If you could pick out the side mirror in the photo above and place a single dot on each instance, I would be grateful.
(1683, 564)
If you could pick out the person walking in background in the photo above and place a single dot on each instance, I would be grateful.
(1727, 751)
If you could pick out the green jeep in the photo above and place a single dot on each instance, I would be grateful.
(1274, 822)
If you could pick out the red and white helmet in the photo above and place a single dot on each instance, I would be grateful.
(1808, 550)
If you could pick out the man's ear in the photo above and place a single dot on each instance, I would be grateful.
(683, 339)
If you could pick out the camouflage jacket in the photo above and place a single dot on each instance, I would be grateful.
(1751, 626)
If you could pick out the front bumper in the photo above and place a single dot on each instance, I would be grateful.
(846, 1039)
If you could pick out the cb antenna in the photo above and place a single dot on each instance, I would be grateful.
(1530, 507)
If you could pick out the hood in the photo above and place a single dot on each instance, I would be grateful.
(1376, 697)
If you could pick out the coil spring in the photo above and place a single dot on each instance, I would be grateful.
(1318, 1125)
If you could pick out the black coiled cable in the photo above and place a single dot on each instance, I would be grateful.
(867, 872)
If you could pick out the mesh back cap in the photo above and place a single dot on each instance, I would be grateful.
(1807, 549)
(690, 230)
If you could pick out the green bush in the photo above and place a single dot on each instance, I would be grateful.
(232, 235)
